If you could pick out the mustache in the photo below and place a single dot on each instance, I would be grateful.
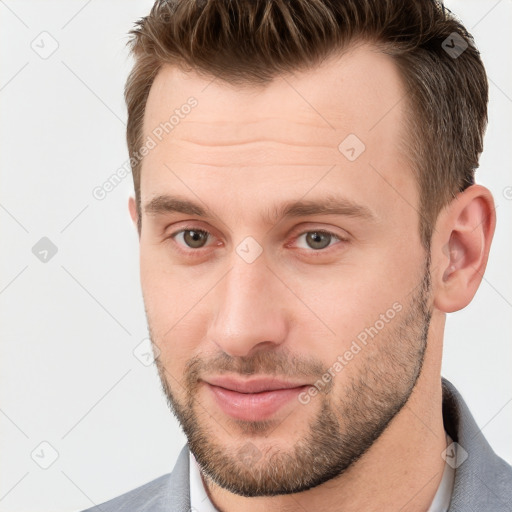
(280, 363)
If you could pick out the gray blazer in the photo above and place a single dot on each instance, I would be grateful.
(483, 482)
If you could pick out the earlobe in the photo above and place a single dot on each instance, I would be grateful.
(461, 247)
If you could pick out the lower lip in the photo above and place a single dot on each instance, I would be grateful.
(253, 406)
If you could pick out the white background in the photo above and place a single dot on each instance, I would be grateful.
(69, 326)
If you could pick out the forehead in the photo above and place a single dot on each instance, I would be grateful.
(283, 135)
(355, 89)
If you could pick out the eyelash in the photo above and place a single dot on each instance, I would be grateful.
(311, 252)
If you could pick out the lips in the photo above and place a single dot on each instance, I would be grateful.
(254, 385)
(253, 400)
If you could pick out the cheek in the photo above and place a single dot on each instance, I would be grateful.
(166, 292)
(172, 307)
(352, 298)
(346, 305)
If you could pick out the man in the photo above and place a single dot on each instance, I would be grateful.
(307, 214)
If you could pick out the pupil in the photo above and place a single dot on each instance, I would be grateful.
(316, 238)
(194, 238)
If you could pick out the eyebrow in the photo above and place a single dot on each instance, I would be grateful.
(330, 205)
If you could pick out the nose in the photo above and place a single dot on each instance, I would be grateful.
(250, 309)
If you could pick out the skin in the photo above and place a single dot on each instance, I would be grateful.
(240, 152)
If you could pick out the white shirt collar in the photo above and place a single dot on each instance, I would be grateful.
(199, 500)
(441, 500)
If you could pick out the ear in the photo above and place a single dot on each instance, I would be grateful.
(460, 247)
(132, 207)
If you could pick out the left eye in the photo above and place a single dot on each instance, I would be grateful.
(318, 240)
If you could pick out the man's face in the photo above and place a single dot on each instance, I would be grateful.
(244, 300)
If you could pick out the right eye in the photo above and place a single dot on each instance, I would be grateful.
(190, 237)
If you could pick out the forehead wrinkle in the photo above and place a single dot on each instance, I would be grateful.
(251, 165)
(259, 153)
(253, 141)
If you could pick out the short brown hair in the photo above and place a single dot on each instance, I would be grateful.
(248, 42)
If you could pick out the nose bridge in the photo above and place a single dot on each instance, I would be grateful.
(248, 306)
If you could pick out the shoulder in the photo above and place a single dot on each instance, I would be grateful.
(483, 480)
(136, 499)
(169, 492)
